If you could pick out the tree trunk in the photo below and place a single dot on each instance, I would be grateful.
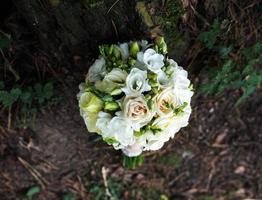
(76, 27)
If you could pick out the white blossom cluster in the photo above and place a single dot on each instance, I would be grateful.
(135, 97)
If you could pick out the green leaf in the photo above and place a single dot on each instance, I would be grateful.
(110, 140)
(33, 191)
(224, 51)
(26, 97)
(48, 90)
(209, 38)
(4, 41)
(68, 196)
(163, 197)
(8, 98)
(2, 85)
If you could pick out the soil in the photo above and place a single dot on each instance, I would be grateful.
(217, 155)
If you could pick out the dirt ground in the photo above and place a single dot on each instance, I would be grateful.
(218, 156)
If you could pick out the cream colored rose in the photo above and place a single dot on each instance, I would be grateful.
(165, 101)
(135, 108)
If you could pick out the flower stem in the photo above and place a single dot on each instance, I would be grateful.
(133, 162)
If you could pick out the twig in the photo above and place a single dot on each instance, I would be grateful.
(104, 175)
(39, 178)
(199, 15)
(114, 25)
(9, 123)
(112, 6)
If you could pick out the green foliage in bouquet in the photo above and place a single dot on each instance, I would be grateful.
(135, 97)
(236, 69)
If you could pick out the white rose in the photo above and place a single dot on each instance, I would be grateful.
(135, 108)
(124, 50)
(96, 71)
(114, 79)
(136, 82)
(151, 59)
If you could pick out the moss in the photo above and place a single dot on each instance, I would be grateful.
(171, 159)
(170, 16)
(141, 9)
(54, 3)
(93, 3)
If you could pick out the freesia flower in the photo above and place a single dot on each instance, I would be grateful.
(136, 82)
(96, 71)
(114, 79)
(153, 61)
(124, 50)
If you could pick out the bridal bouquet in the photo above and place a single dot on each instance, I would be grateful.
(135, 97)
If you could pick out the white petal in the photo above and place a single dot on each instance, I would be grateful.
(133, 150)
(124, 49)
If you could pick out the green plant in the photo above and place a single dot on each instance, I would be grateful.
(210, 37)
(170, 15)
(206, 198)
(32, 192)
(4, 40)
(172, 160)
(117, 190)
(28, 99)
(99, 191)
(68, 196)
(240, 71)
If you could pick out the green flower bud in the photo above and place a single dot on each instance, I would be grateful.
(154, 90)
(148, 97)
(153, 83)
(152, 76)
(111, 48)
(111, 106)
(134, 49)
(116, 52)
(162, 47)
(116, 92)
(132, 62)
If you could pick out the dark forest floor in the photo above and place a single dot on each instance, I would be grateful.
(218, 156)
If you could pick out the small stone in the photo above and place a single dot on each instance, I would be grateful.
(240, 170)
